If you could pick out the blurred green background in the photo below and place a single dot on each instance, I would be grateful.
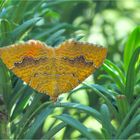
(91, 111)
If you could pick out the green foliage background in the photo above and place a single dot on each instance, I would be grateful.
(104, 107)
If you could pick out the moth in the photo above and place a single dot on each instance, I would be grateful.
(53, 71)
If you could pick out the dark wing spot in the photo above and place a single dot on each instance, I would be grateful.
(36, 74)
(29, 61)
(78, 59)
